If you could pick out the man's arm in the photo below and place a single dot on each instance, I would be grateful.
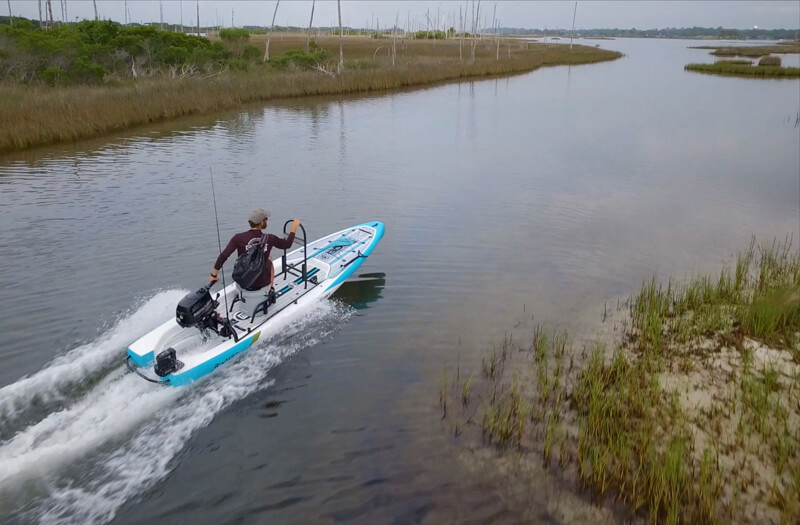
(285, 244)
(223, 256)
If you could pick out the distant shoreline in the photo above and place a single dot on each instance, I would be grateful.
(37, 115)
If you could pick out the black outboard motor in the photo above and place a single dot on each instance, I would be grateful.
(197, 309)
(167, 363)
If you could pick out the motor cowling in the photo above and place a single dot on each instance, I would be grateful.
(196, 308)
(167, 363)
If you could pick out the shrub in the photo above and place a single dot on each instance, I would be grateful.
(234, 34)
(85, 51)
(235, 40)
(431, 35)
(173, 55)
(300, 59)
(770, 60)
(83, 70)
(53, 75)
(237, 64)
(251, 53)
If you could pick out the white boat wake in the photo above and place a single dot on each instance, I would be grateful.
(53, 383)
(81, 463)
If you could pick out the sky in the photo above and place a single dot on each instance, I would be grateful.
(767, 14)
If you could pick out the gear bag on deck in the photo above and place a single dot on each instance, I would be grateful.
(250, 266)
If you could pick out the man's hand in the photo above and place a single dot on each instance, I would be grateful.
(213, 280)
(295, 224)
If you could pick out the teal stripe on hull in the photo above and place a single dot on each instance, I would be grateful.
(186, 376)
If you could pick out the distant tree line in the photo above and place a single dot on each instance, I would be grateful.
(670, 32)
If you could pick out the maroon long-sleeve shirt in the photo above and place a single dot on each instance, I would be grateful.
(241, 241)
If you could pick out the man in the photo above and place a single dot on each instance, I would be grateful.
(241, 241)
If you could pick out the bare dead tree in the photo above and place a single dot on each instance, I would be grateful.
(40, 13)
(271, 27)
(394, 37)
(197, 5)
(461, 39)
(475, 28)
(181, 4)
(437, 26)
(95, 10)
(310, 21)
(341, 37)
(10, 16)
(496, 31)
(428, 23)
(50, 11)
(574, 12)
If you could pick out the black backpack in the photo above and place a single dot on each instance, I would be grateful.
(249, 268)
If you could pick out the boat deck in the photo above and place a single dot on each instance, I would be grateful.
(289, 287)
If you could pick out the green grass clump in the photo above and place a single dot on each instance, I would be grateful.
(753, 51)
(770, 60)
(758, 298)
(727, 67)
(687, 421)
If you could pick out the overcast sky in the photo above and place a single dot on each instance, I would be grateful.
(769, 14)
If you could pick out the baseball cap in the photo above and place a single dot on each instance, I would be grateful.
(258, 215)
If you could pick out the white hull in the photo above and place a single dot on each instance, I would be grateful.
(331, 260)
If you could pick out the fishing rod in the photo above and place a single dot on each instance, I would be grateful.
(219, 243)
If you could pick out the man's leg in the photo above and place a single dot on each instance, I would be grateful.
(271, 274)
(271, 292)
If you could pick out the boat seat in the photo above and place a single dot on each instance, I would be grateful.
(247, 301)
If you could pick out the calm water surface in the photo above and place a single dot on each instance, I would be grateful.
(553, 191)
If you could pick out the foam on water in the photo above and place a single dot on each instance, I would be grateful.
(125, 432)
(52, 382)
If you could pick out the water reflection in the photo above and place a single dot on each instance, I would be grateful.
(362, 291)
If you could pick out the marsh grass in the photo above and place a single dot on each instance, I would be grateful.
(620, 423)
(736, 68)
(31, 116)
(770, 60)
(752, 51)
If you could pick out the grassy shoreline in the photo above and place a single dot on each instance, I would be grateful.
(744, 70)
(690, 415)
(33, 116)
(752, 51)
